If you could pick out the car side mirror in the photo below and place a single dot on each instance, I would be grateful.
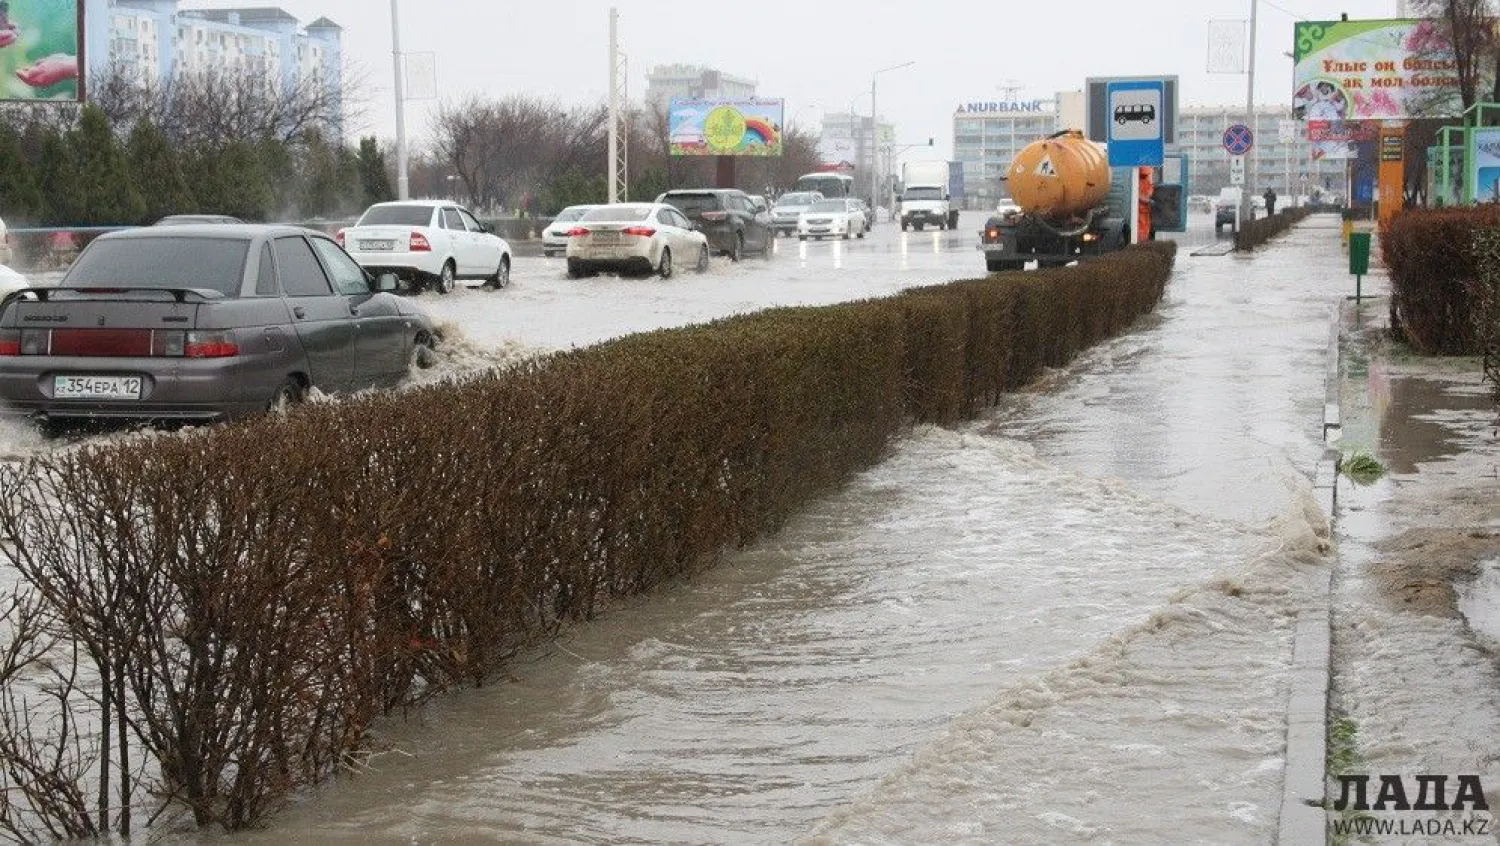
(488, 228)
(387, 282)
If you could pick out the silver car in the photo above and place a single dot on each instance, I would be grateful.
(202, 323)
(789, 207)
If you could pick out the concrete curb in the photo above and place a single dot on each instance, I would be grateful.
(1303, 819)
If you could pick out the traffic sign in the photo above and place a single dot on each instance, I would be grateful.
(1134, 111)
(1238, 139)
(1236, 170)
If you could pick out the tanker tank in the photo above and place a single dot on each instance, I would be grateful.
(1060, 177)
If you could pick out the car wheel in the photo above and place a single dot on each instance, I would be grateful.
(289, 393)
(424, 352)
(703, 259)
(861, 232)
(801, 237)
(846, 234)
(664, 267)
(502, 274)
(575, 269)
(738, 252)
(447, 279)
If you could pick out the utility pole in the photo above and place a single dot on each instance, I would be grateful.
(619, 142)
(403, 181)
(1246, 203)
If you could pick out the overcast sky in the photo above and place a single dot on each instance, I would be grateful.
(817, 56)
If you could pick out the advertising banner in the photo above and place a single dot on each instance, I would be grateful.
(1335, 139)
(725, 127)
(1484, 165)
(41, 49)
(1391, 173)
(1370, 70)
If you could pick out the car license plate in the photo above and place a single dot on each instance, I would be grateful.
(606, 237)
(377, 245)
(96, 387)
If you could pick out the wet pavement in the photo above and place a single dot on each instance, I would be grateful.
(1069, 620)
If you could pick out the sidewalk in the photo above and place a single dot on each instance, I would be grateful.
(1416, 597)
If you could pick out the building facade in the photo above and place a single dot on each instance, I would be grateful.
(845, 139)
(987, 134)
(664, 82)
(154, 40)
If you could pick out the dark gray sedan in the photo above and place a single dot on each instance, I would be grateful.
(202, 323)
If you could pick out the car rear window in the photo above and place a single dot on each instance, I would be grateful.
(161, 262)
(691, 204)
(396, 216)
(621, 214)
(568, 214)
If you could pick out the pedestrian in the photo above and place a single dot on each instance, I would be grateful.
(1270, 197)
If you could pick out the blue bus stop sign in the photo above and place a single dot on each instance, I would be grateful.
(1134, 111)
(1238, 139)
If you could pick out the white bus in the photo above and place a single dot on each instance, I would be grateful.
(830, 185)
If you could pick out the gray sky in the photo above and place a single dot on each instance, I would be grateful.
(818, 56)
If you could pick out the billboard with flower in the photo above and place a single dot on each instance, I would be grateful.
(41, 49)
(748, 127)
(1374, 70)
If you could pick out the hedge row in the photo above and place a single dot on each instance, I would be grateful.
(1263, 229)
(260, 593)
(1431, 258)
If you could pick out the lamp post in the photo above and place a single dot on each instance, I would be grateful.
(1246, 203)
(403, 183)
(875, 133)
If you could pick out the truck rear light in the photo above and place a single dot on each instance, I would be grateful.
(419, 243)
(993, 234)
(10, 342)
(641, 231)
(210, 345)
(1090, 236)
(577, 232)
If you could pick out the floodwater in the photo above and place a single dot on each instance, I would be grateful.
(1069, 620)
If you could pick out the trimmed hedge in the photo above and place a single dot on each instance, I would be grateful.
(1263, 229)
(304, 574)
(1432, 261)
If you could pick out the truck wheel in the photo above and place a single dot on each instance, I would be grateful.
(918, 226)
(904, 226)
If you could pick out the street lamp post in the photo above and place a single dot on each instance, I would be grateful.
(403, 183)
(875, 134)
(1246, 201)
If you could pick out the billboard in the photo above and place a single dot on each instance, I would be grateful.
(716, 127)
(41, 49)
(1373, 70)
(1484, 165)
(1335, 139)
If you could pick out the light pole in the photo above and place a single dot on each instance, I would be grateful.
(403, 182)
(875, 133)
(1246, 204)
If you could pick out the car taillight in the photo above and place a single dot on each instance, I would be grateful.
(993, 234)
(210, 345)
(642, 231)
(10, 342)
(715, 215)
(169, 343)
(339, 237)
(577, 232)
(419, 243)
(36, 341)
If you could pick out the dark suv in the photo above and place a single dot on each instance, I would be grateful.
(727, 217)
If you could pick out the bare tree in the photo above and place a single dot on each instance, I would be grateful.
(1469, 27)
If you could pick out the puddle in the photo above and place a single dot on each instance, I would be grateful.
(1479, 602)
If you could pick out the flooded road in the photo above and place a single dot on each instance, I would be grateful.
(1068, 620)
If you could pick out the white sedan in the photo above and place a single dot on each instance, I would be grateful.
(428, 243)
(555, 236)
(635, 238)
(832, 219)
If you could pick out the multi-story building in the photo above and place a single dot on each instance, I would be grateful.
(156, 39)
(845, 137)
(665, 82)
(1285, 166)
(987, 134)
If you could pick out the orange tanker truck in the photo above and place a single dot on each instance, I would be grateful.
(1072, 205)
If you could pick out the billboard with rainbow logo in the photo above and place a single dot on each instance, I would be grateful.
(725, 127)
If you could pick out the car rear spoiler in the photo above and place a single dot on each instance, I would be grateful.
(181, 295)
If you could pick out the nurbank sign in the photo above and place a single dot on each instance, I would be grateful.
(1001, 107)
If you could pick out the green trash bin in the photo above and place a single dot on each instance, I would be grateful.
(1359, 253)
